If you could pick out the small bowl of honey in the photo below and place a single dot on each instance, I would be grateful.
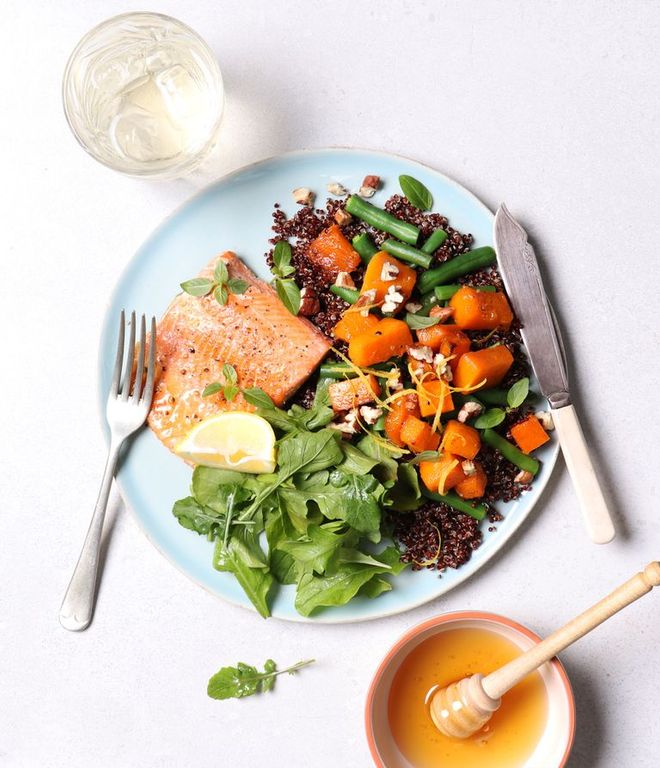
(533, 727)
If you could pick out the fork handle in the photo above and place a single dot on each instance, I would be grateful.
(78, 604)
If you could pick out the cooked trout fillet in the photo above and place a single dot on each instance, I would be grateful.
(254, 332)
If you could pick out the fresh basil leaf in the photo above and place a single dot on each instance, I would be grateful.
(416, 193)
(281, 258)
(286, 270)
(229, 373)
(256, 396)
(198, 286)
(516, 395)
(424, 456)
(230, 391)
(420, 321)
(289, 294)
(404, 495)
(220, 294)
(211, 389)
(490, 418)
(220, 272)
(236, 285)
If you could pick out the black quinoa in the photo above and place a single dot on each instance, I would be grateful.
(416, 531)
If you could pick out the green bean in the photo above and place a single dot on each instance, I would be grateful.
(350, 295)
(407, 253)
(445, 292)
(435, 240)
(365, 246)
(345, 371)
(456, 267)
(510, 452)
(476, 510)
(382, 220)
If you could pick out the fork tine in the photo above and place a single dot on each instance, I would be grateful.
(128, 370)
(116, 373)
(148, 391)
(139, 369)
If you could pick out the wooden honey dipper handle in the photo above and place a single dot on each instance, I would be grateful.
(501, 680)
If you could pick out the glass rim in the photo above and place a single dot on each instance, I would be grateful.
(178, 169)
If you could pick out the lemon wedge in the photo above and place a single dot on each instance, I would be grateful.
(235, 440)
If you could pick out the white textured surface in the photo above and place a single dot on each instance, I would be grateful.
(552, 107)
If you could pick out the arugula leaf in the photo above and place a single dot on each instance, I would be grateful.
(416, 193)
(243, 557)
(349, 497)
(404, 495)
(220, 273)
(516, 395)
(193, 516)
(237, 286)
(340, 587)
(289, 294)
(376, 586)
(244, 679)
(491, 418)
(315, 551)
(355, 461)
(198, 286)
(311, 418)
(420, 321)
(280, 529)
(210, 485)
(309, 451)
(386, 469)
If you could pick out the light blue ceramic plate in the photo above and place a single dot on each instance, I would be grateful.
(235, 213)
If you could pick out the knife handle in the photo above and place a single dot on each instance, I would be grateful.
(590, 495)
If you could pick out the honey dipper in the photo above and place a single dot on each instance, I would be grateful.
(462, 708)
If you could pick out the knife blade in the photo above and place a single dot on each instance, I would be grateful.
(522, 280)
(540, 333)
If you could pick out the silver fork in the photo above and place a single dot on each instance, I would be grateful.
(126, 412)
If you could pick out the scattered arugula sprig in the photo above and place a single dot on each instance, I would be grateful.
(286, 287)
(244, 679)
(229, 387)
(221, 285)
(515, 397)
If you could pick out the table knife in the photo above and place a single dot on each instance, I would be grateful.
(540, 332)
